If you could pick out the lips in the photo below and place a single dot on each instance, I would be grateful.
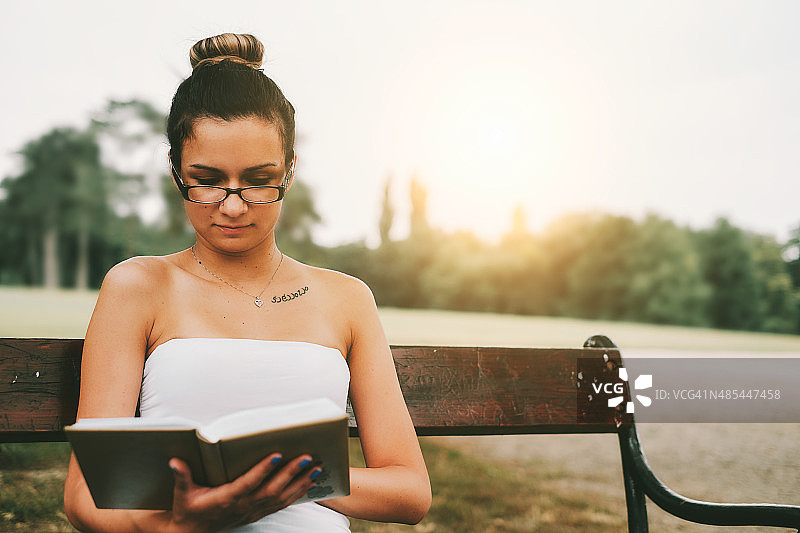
(231, 230)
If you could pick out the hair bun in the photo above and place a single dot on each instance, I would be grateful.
(239, 47)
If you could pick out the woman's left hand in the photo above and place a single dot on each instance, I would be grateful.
(261, 491)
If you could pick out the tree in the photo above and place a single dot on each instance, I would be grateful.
(59, 192)
(458, 275)
(625, 270)
(791, 252)
(520, 271)
(71, 204)
(394, 270)
(779, 300)
(298, 217)
(563, 243)
(130, 132)
(598, 279)
(387, 213)
(728, 267)
(666, 284)
(420, 228)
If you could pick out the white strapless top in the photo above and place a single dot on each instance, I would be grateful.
(205, 378)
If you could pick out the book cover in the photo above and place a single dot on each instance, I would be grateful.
(126, 460)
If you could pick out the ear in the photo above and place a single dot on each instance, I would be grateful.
(287, 182)
(176, 178)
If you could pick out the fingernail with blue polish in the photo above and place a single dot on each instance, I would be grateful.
(315, 474)
(275, 460)
(305, 462)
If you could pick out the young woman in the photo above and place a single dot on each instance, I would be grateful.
(205, 331)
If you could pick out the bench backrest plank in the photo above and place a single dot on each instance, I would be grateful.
(39, 385)
(489, 390)
(448, 390)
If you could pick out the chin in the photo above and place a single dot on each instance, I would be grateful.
(235, 245)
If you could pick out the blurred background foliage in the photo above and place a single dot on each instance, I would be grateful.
(70, 214)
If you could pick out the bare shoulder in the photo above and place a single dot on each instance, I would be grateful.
(134, 286)
(352, 306)
(138, 273)
(128, 302)
(340, 285)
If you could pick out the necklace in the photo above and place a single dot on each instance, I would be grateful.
(257, 298)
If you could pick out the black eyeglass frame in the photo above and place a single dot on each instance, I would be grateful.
(184, 189)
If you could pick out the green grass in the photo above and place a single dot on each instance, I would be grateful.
(41, 455)
(411, 326)
(41, 313)
(487, 496)
(32, 486)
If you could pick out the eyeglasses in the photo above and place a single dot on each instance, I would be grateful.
(211, 194)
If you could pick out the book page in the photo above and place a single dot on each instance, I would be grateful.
(130, 422)
(272, 417)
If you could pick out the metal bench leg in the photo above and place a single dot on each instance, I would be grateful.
(717, 514)
(640, 481)
(635, 498)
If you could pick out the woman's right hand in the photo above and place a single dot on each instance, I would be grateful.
(262, 490)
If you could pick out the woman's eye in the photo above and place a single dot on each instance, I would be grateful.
(207, 181)
(256, 181)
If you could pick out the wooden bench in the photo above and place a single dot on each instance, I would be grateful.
(449, 391)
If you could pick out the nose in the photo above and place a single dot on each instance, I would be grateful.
(233, 205)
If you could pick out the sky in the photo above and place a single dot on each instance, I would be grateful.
(684, 109)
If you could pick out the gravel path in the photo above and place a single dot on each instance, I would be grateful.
(733, 463)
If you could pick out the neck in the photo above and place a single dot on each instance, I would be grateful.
(256, 265)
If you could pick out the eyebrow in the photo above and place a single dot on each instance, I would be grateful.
(248, 169)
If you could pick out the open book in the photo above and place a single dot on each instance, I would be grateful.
(126, 460)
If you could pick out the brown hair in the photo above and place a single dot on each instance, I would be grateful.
(235, 46)
(227, 84)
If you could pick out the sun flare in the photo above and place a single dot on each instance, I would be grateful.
(491, 144)
(495, 126)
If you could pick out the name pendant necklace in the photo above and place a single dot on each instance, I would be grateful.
(257, 298)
